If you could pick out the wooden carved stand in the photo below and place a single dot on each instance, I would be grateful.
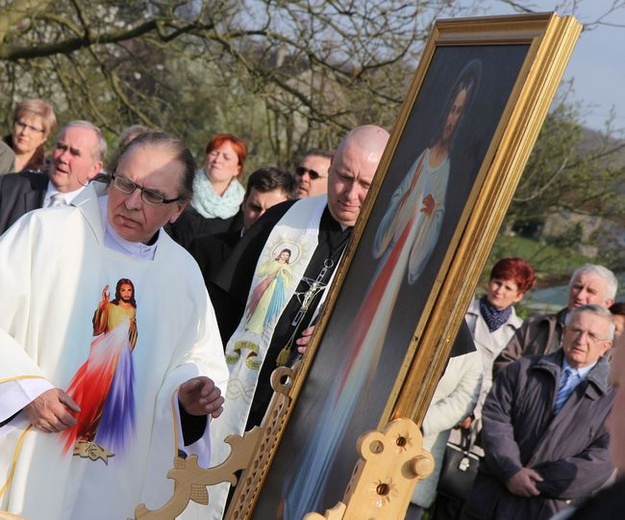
(391, 464)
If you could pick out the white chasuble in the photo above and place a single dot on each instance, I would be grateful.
(119, 334)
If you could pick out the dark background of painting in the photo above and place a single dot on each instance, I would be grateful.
(501, 65)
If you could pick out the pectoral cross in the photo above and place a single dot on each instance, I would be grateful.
(305, 299)
(314, 286)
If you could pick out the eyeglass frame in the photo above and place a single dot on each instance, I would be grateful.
(300, 171)
(575, 331)
(143, 190)
(26, 126)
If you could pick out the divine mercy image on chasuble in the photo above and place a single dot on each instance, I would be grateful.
(103, 386)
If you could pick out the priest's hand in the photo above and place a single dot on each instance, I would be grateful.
(200, 396)
(523, 483)
(51, 411)
(303, 341)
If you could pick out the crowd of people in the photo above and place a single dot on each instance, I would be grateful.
(145, 303)
(539, 409)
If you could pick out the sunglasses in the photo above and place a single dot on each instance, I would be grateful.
(300, 171)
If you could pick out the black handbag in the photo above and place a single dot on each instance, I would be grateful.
(459, 468)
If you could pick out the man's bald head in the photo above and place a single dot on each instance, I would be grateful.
(353, 166)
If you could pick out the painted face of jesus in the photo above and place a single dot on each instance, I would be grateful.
(455, 113)
(125, 292)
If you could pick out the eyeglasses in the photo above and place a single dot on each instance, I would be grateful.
(148, 196)
(300, 171)
(23, 127)
(592, 337)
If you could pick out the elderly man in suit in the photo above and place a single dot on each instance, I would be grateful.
(610, 501)
(544, 433)
(77, 158)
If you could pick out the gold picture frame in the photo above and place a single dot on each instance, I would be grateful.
(521, 61)
(509, 68)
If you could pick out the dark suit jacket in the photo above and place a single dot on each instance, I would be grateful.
(19, 194)
(212, 251)
(191, 224)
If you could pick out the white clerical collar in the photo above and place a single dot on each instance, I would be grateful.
(113, 241)
(68, 196)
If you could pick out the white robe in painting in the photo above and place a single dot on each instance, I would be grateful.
(404, 242)
(53, 266)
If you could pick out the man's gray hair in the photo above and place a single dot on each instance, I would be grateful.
(611, 283)
(597, 310)
(79, 123)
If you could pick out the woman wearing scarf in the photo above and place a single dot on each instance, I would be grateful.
(218, 193)
(492, 319)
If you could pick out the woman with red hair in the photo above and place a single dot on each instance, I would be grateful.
(492, 319)
(218, 192)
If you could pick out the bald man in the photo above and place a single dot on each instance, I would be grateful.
(277, 275)
(276, 278)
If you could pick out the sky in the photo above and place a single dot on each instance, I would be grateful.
(597, 65)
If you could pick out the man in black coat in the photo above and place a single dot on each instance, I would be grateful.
(76, 159)
(266, 187)
(544, 434)
(351, 174)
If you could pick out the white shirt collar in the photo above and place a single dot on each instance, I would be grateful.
(581, 372)
(51, 190)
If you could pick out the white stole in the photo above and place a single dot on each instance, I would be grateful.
(275, 280)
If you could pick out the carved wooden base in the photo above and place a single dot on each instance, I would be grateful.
(392, 462)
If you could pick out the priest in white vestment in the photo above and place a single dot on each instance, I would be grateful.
(158, 364)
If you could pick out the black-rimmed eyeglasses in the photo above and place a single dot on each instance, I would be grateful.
(300, 171)
(148, 196)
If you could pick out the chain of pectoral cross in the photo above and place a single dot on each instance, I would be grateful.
(305, 299)
(314, 286)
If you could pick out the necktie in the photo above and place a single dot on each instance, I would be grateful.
(568, 382)
(57, 199)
